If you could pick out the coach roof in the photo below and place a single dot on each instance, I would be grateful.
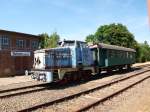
(107, 46)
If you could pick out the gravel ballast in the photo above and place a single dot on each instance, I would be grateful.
(20, 102)
(136, 99)
(76, 103)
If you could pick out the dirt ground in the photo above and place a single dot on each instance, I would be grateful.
(12, 80)
(139, 64)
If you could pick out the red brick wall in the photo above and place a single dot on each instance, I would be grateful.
(11, 65)
(6, 64)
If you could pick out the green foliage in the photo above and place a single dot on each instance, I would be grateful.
(53, 40)
(47, 41)
(44, 40)
(114, 34)
(143, 52)
(90, 38)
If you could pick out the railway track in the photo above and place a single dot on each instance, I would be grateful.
(32, 88)
(22, 90)
(101, 100)
(76, 96)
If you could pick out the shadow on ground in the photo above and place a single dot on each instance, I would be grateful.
(54, 85)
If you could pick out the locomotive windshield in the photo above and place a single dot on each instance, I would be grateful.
(72, 43)
(66, 43)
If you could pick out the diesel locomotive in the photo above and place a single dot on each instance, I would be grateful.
(74, 60)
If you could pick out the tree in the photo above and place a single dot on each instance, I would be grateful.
(143, 51)
(53, 40)
(47, 41)
(114, 34)
(90, 38)
(44, 40)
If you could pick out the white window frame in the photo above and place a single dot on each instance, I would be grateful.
(20, 43)
(4, 41)
(34, 44)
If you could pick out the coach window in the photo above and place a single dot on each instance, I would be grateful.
(113, 53)
(20, 43)
(117, 52)
(109, 53)
(34, 44)
(5, 41)
(127, 54)
(131, 56)
(124, 54)
(121, 54)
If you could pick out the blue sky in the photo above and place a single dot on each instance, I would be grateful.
(74, 19)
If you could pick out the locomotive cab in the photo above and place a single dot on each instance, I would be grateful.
(79, 49)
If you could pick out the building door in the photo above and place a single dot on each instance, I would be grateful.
(22, 63)
(18, 64)
(25, 62)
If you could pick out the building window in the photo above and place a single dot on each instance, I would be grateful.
(20, 43)
(34, 44)
(5, 41)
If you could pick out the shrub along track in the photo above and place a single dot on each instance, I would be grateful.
(81, 101)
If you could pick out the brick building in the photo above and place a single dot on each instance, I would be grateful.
(16, 52)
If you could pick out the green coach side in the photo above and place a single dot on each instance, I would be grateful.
(110, 55)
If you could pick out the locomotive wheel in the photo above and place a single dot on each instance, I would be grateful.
(86, 75)
(99, 72)
(128, 67)
(63, 81)
(109, 71)
(74, 77)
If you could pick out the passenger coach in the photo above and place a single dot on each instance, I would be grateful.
(111, 57)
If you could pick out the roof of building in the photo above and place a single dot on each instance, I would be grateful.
(20, 33)
(107, 46)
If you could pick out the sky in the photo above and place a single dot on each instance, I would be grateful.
(74, 19)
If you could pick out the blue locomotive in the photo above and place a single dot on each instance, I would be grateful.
(74, 60)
